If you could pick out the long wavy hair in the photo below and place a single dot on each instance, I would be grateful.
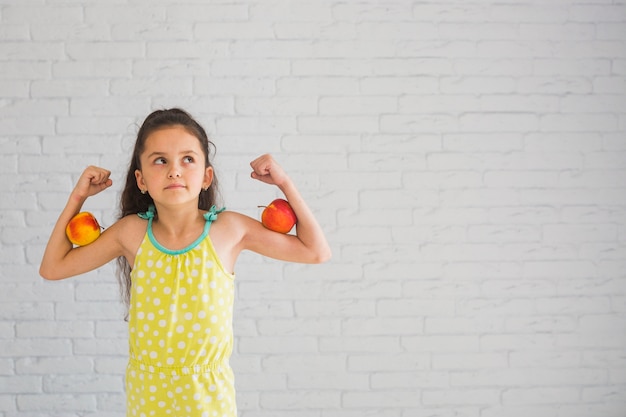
(133, 201)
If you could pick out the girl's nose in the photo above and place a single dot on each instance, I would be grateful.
(174, 172)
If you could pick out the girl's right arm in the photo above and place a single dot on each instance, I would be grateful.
(61, 259)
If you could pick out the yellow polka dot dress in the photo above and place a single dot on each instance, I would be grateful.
(180, 330)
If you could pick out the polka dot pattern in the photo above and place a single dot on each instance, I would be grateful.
(180, 333)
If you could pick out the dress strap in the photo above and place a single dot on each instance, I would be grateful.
(211, 215)
(147, 215)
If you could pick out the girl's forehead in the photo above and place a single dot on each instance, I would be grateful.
(171, 139)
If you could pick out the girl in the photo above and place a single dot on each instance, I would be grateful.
(177, 256)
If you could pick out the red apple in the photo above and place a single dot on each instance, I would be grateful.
(83, 229)
(279, 216)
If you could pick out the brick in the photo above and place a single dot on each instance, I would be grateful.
(282, 106)
(55, 31)
(540, 396)
(389, 363)
(83, 383)
(313, 30)
(394, 398)
(461, 397)
(294, 400)
(55, 403)
(20, 384)
(204, 12)
(31, 51)
(36, 14)
(47, 366)
(463, 325)
(35, 347)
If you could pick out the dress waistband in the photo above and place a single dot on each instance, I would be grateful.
(179, 370)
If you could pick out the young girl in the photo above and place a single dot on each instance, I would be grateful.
(177, 256)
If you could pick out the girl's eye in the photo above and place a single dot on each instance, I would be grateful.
(159, 161)
(188, 159)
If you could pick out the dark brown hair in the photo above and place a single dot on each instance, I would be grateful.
(133, 201)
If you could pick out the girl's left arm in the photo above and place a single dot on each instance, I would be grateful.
(309, 245)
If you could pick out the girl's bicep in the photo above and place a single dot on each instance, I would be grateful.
(111, 244)
(284, 247)
(80, 260)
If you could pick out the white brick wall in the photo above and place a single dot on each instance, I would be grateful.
(467, 160)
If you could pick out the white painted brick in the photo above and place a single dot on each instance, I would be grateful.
(55, 403)
(461, 397)
(297, 326)
(15, 32)
(541, 377)
(70, 329)
(255, 125)
(389, 363)
(545, 359)
(333, 125)
(123, 13)
(83, 383)
(337, 381)
(277, 344)
(334, 308)
(462, 325)
(250, 67)
(55, 31)
(204, 12)
(69, 88)
(149, 30)
(101, 347)
(361, 344)
(38, 14)
(574, 233)
(441, 343)
(32, 51)
(105, 50)
(546, 395)
(563, 84)
(35, 347)
(233, 30)
(262, 382)
(295, 400)
(20, 384)
(396, 398)
(313, 30)
(47, 366)
(372, 12)
(15, 88)
(383, 326)
(360, 105)
(282, 106)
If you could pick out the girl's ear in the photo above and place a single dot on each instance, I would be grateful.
(140, 182)
(208, 178)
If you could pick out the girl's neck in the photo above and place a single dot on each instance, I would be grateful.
(178, 220)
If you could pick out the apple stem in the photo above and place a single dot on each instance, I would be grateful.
(262, 206)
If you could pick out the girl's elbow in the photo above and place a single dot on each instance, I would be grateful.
(322, 255)
(45, 274)
(49, 274)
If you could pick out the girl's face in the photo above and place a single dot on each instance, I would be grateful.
(172, 167)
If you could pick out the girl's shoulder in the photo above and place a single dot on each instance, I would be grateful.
(231, 226)
(132, 220)
(230, 220)
(129, 232)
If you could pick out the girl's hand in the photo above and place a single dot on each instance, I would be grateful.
(267, 170)
(92, 181)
